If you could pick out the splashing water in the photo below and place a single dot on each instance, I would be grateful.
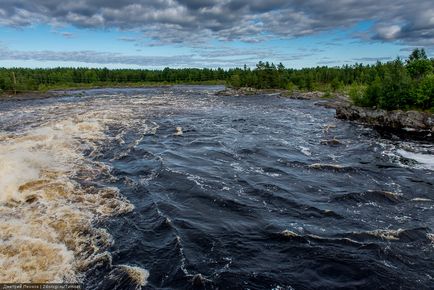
(209, 192)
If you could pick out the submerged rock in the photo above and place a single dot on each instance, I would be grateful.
(289, 234)
(325, 166)
(333, 141)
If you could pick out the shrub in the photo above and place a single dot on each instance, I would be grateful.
(336, 84)
(291, 87)
(373, 92)
(357, 95)
(396, 87)
(424, 94)
(235, 81)
(419, 68)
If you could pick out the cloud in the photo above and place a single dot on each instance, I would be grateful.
(128, 39)
(329, 62)
(207, 56)
(110, 58)
(67, 34)
(372, 59)
(388, 32)
(197, 21)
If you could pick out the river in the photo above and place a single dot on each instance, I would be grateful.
(178, 188)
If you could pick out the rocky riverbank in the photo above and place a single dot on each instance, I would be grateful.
(402, 120)
(246, 91)
(409, 121)
(30, 95)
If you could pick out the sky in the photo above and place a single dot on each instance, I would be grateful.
(211, 33)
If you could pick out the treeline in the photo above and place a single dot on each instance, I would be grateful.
(269, 76)
(264, 76)
(393, 85)
(24, 79)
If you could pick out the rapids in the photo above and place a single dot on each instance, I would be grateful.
(177, 188)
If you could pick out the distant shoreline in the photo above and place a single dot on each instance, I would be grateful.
(416, 121)
(62, 91)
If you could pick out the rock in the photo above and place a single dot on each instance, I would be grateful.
(198, 281)
(419, 122)
(413, 120)
(333, 141)
(325, 166)
(288, 234)
(303, 95)
(178, 131)
(246, 91)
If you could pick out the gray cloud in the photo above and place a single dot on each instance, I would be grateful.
(127, 39)
(329, 62)
(111, 58)
(206, 56)
(196, 21)
(67, 34)
(372, 59)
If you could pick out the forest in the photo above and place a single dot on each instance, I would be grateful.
(398, 84)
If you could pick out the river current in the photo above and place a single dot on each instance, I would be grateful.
(178, 188)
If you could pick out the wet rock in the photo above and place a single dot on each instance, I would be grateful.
(244, 91)
(325, 166)
(403, 120)
(304, 95)
(333, 141)
(198, 281)
(178, 131)
(289, 234)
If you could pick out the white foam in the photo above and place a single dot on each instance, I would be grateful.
(46, 231)
(305, 151)
(425, 161)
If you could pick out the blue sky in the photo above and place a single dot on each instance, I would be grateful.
(192, 33)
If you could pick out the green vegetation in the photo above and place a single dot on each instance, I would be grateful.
(392, 85)
(70, 78)
(400, 85)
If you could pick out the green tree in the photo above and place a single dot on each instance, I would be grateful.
(396, 87)
(235, 81)
(417, 54)
(425, 93)
(418, 68)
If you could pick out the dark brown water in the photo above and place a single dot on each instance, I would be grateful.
(246, 194)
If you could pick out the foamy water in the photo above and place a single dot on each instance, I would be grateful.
(423, 160)
(47, 231)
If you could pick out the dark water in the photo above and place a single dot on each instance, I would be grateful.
(251, 195)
